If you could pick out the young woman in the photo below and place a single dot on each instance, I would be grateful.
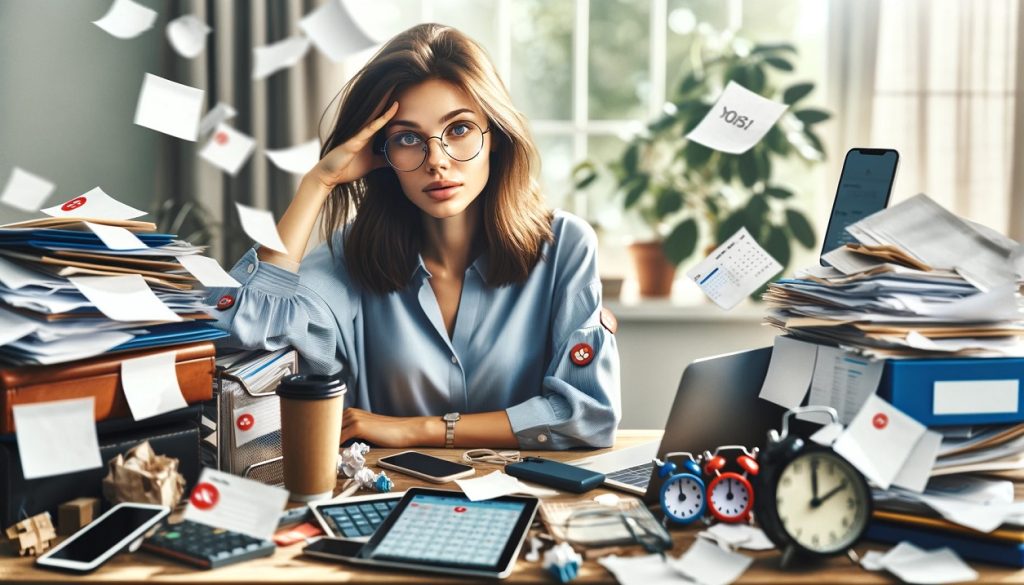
(462, 312)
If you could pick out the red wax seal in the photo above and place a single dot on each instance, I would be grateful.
(74, 203)
(221, 137)
(225, 302)
(581, 354)
(460, 509)
(205, 496)
(880, 421)
(245, 422)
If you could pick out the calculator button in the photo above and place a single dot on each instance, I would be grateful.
(172, 535)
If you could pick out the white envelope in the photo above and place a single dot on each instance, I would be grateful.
(234, 503)
(116, 237)
(334, 32)
(738, 120)
(25, 190)
(94, 204)
(207, 271)
(169, 107)
(228, 149)
(126, 19)
(123, 298)
(879, 441)
(297, 159)
(220, 113)
(259, 225)
(280, 55)
(187, 35)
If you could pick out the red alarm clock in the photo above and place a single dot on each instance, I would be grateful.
(730, 494)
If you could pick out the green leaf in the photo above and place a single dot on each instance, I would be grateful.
(772, 47)
(669, 201)
(734, 222)
(756, 210)
(712, 205)
(696, 155)
(663, 123)
(726, 167)
(689, 83)
(779, 63)
(747, 164)
(682, 241)
(778, 193)
(764, 162)
(757, 78)
(631, 158)
(815, 141)
(776, 141)
(796, 92)
(777, 244)
(697, 114)
(800, 228)
(637, 186)
(812, 116)
(586, 181)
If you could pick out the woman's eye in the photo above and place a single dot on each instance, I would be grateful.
(408, 139)
(459, 130)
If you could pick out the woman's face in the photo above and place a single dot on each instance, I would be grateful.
(442, 186)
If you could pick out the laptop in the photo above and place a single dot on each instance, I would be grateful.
(716, 404)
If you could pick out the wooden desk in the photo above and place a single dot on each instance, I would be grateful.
(289, 566)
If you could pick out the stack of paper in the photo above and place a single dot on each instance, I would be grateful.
(75, 287)
(920, 282)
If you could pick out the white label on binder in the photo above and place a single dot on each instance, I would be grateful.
(975, 397)
(256, 419)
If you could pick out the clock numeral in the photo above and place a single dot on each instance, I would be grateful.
(786, 481)
(850, 504)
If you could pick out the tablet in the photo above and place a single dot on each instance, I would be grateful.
(443, 531)
(356, 517)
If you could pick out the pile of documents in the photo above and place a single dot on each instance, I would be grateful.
(74, 287)
(922, 307)
(917, 281)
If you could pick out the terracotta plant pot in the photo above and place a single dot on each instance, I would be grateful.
(653, 270)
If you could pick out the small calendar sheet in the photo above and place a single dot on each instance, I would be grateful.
(734, 270)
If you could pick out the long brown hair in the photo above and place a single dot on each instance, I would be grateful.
(385, 237)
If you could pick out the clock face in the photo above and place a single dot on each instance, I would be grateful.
(822, 502)
(682, 497)
(730, 496)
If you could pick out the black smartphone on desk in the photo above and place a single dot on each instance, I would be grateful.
(865, 185)
(427, 467)
(114, 531)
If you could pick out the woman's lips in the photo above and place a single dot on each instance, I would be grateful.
(442, 194)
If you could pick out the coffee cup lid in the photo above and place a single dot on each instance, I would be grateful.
(311, 386)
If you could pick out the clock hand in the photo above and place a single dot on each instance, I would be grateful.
(728, 494)
(814, 481)
(819, 501)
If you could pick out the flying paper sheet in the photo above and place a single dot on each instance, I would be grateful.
(280, 55)
(297, 159)
(207, 271)
(222, 500)
(259, 225)
(126, 19)
(94, 204)
(739, 120)
(228, 149)
(734, 270)
(789, 372)
(879, 428)
(333, 31)
(123, 298)
(26, 191)
(151, 385)
(187, 35)
(220, 113)
(169, 107)
(56, 437)
(116, 238)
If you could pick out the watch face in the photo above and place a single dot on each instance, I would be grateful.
(682, 498)
(823, 502)
(730, 497)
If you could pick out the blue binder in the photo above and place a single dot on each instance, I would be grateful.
(977, 549)
(952, 392)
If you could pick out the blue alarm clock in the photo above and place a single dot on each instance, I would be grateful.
(682, 494)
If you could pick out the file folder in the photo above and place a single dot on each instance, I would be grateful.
(953, 392)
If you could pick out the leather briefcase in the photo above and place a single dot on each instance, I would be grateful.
(100, 377)
(21, 498)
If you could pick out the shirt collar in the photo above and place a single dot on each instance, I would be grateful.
(420, 270)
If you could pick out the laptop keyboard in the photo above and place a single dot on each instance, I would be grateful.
(636, 476)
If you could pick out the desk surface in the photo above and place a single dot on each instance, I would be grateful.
(289, 566)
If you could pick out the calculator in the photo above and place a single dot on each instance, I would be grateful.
(205, 546)
(355, 518)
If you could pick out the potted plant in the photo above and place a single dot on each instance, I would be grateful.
(686, 192)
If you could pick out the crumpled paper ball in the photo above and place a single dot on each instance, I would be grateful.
(141, 476)
(353, 458)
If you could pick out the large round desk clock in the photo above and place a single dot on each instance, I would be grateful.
(812, 502)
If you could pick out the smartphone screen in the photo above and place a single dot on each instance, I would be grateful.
(864, 188)
(425, 464)
(95, 541)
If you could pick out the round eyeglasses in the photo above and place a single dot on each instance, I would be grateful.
(406, 150)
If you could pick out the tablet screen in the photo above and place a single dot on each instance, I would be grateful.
(451, 531)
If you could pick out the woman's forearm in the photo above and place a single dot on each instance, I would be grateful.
(297, 224)
(482, 429)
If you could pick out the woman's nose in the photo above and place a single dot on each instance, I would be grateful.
(436, 155)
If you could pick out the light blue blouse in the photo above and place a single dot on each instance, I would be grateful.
(510, 349)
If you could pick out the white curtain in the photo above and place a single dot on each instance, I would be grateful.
(947, 97)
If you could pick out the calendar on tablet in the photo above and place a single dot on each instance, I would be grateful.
(735, 269)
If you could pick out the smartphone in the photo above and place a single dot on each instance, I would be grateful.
(864, 188)
(106, 536)
(423, 466)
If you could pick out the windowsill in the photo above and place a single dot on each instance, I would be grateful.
(683, 305)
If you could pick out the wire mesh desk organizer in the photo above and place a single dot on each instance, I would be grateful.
(592, 525)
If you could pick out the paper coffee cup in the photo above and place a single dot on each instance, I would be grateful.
(311, 411)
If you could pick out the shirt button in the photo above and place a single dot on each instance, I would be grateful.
(542, 438)
(250, 268)
(455, 360)
(225, 302)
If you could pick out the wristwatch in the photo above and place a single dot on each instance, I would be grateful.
(449, 432)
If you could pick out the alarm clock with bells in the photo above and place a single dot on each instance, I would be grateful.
(682, 494)
(812, 502)
(730, 494)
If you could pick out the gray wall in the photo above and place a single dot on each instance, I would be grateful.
(67, 100)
